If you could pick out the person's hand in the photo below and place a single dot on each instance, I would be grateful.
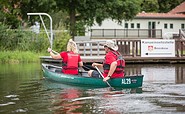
(49, 50)
(94, 64)
(106, 78)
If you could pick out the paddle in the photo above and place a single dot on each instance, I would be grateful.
(103, 78)
(88, 67)
(54, 52)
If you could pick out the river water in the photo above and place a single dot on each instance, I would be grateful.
(23, 90)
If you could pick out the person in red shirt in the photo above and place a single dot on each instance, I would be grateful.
(113, 65)
(70, 58)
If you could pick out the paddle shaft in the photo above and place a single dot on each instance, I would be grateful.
(87, 68)
(54, 51)
(102, 76)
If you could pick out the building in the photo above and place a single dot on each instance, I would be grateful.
(144, 25)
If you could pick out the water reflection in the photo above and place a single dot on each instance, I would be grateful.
(180, 74)
(80, 100)
(76, 101)
(159, 73)
(22, 90)
(61, 102)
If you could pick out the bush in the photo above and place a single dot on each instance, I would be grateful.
(26, 40)
(60, 41)
(13, 39)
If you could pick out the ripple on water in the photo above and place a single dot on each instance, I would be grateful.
(20, 110)
(29, 97)
(177, 89)
(10, 96)
(35, 95)
(8, 103)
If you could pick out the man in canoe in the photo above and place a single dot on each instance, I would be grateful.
(113, 65)
(70, 58)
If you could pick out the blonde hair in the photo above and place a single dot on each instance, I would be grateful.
(71, 46)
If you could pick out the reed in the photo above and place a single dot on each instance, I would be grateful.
(13, 57)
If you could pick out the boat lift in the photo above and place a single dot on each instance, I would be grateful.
(51, 28)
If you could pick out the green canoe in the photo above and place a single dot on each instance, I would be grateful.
(53, 73)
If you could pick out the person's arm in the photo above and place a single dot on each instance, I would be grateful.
(111, 71)
(100, 66)
(54, 56)
(80, 63)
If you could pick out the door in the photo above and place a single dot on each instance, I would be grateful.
(151, 29)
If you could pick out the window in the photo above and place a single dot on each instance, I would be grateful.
(171, 26)
(138, 25)
(132, 25)
(126, 25)
(182, 26)
(165, 26)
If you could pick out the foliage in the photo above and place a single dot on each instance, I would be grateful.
(29, 41)
(19, 57)
(60, 18)
(76, 14)
(88, 11)
(150, 6)
(15, 11)
(10, 13)
(167, 5)
(159, 6)
(25, 46)
(60, 43)
(21, 40)
(73, 13)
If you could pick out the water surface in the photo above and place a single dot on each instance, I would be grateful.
(23, 90)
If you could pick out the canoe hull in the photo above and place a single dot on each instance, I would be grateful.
(126, 82)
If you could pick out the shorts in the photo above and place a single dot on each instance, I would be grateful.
(96, 74)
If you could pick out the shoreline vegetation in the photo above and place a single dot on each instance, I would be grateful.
(16, 57)
(24, 46)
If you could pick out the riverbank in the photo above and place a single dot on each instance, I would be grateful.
(19, 56)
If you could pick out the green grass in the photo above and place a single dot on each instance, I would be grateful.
(19, 56)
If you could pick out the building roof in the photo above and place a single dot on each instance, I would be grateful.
(179, 9)
(176, 13)
(160, 15)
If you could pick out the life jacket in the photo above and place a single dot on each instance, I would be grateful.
(72, 61)
(120, 64)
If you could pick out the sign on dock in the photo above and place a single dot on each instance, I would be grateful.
(157, 48)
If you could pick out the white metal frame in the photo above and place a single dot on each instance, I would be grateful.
(51, 27)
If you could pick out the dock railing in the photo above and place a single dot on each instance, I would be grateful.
(125, 33)
(127, 47)
(91, 48)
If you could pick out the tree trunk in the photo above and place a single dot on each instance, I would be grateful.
(72, 14)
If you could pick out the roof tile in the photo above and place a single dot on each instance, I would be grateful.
(159, 15)
(179, 9)
(176, 13)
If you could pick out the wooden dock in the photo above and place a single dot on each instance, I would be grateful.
(93, 51)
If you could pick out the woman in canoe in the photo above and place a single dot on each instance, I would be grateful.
(113, 65)
(70, 58)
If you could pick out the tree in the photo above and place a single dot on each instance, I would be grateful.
(10, 13)
(159, 6)
(150, 6)
(167, 5)
(88, 11)
(15, 11)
